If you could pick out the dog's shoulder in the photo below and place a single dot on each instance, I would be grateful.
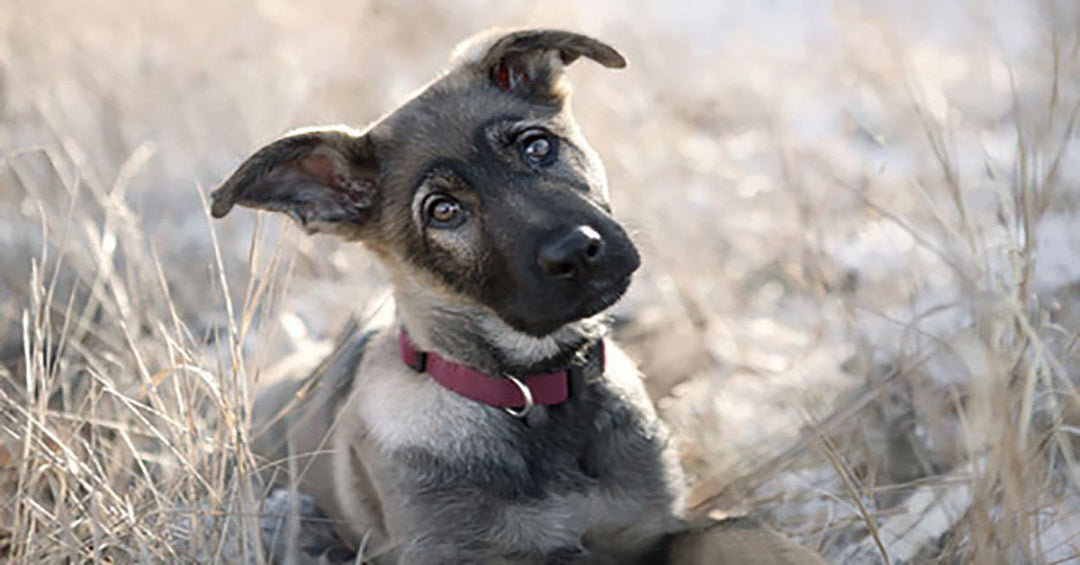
(300, 409)
(622, 376)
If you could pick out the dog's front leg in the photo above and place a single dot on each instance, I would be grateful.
(435, 553)
(478, 509)
(577, 556)
(448, 537)
(425, 552)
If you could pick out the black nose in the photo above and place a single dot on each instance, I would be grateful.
(572, 253)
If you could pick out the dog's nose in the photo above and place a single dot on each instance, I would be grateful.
(572, 253)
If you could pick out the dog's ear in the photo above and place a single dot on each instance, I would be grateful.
(325, 179)
(530, 62)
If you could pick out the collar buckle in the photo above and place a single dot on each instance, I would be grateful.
(526, 393)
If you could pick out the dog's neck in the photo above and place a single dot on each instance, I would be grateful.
(475, 336)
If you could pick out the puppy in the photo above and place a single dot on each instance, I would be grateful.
(493, 422)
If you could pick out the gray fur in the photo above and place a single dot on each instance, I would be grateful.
(408, 471)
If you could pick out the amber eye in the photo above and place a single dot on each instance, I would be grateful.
(443, 211)
(538, 147)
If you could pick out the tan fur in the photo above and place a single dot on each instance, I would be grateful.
(383, 448)
(739, 542)
(390, 407)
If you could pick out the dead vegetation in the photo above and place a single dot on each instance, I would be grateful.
(859, 309)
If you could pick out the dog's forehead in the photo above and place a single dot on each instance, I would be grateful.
(444, 119)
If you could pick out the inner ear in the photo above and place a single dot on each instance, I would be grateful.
(507, 76)
(325, 179)
(531, 61)
(321, 169)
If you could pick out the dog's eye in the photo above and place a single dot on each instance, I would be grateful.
(538, 147)
(443, 211)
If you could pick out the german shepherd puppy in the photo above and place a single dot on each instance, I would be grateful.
(493, 423)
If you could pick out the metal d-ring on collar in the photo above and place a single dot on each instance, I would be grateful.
(525, 393)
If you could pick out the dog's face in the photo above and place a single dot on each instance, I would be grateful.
(482, 182)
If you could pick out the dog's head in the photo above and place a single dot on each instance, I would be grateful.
(481, 183)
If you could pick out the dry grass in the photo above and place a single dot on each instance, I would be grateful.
(859, 309)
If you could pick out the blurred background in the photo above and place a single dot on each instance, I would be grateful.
(860, 222)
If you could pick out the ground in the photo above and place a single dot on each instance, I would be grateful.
(859, 222)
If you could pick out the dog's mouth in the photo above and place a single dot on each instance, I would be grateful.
(595, 298)
(605, 298)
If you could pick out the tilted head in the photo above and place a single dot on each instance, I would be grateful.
(480, 185)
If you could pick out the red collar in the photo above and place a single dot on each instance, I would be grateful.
(507, 391)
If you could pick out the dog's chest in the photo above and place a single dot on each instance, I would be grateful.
(594, 463)
(592, 469)
(572, 447)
